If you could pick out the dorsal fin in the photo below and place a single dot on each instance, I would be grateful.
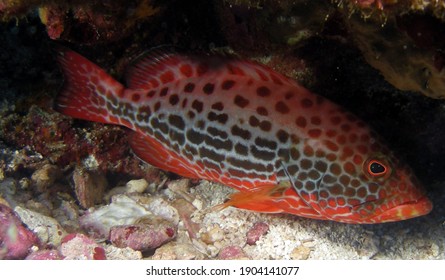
(154, 68)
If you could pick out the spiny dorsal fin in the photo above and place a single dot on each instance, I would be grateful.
(157, 67)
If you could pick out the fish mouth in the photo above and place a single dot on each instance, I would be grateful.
(407, 210)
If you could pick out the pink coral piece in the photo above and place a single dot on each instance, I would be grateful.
(141, 237)
(255, 233)
(232, 253)
(15, 239)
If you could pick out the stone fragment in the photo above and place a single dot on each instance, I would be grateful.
(136, 186)
(47, 229)
(80, 247)
(123, 210)
(300, 253)
(89, 186)
(44, 177)
(178, 251)
(15, 239)
(212, 235)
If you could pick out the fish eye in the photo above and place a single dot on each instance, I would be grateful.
(377, 168)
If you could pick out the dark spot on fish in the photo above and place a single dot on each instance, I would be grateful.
(194, 136)
(306, 164)
(262, 111)
(309, 186)
(254, 121)
(176, 121)
(241, 101)
(191, 114)
(241, 149)
(294, 153)
(293, 169)
(189, 87)
(301, 122)
(197, 105)
(219, 106)
(265, 126)
(289, 95)
(321, 166)
(151, 93)
(335, 169)
(329, 179)
(263, 91)
(302, 176)
(227, 84)
(282, 136)
(281, 107)
(174, 99)
(314, 175)
(243, 133)
(208, 88)
(164, 91)
(344, 180)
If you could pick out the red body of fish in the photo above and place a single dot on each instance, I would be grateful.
(241, 124)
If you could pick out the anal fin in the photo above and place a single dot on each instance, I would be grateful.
(261, 199)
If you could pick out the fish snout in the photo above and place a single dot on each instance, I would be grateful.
(407, 210)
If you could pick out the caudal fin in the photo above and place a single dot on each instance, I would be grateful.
(86, 88)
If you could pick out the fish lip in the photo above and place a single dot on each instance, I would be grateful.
(419, 207)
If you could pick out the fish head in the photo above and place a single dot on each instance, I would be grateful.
(392, 191)
(364, 183)
(366, 188)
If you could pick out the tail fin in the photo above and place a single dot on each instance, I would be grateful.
(86, 88)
